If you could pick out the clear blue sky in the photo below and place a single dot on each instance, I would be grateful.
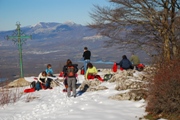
(30, 12)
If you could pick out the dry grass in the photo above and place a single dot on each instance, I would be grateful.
(9, 95)
(12, 92)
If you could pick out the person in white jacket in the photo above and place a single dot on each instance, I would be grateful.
(43, 80)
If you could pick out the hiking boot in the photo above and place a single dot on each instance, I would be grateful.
(73, 96)
(64, 90)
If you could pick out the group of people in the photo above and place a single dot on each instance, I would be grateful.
(70, 72)
(90, 72)
(44, 80)
(133, 63)
(126, 64)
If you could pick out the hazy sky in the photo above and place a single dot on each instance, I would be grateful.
(30, 12)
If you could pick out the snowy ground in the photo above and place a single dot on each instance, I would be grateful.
(55, 105)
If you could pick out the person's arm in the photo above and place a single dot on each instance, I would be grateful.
(130, 63)
(120, 63)
(83, 54)
(131, 59)
(76, 69)
(47, 71)
(46, 79)
(65, 70)
(95, 70)
(87, 73)
(39, 76)
(51, 71)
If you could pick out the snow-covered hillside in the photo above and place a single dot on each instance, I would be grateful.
(53, 104)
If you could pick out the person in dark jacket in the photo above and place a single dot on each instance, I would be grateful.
(86, 56)
(71, 80)
(125, 63)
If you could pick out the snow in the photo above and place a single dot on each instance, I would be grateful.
(53, 104)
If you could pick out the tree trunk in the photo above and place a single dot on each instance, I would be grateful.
(165, 34)
(174, 39)
(166, 49)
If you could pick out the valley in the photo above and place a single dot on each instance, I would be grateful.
(54, 43)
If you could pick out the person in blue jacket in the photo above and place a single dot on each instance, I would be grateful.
(49, 70)
(125, 63)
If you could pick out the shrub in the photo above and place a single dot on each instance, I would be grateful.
(8, 95)
(164, 91)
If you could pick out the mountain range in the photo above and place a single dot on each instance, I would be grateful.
(55, 43)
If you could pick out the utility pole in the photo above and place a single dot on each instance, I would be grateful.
(19, 38)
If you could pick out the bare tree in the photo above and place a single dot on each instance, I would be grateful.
(151, 25)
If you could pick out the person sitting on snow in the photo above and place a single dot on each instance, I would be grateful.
(135, 60)
(49, 70)
(91, 72)
(43, 81)
(125, 64)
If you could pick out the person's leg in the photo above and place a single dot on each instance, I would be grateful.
(131, 67)
(38, 87)
(69, 81)
(85, 65)
(65, 84)
(48, 82)
(99, 78)
(74, 86)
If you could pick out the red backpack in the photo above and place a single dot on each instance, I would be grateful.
(61, 74)
(114, 68)
(140, 67)
(82, 70)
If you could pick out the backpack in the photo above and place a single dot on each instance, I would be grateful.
(70, 71)
(33, 84)
(140, 67)
(107, 77)
(82, 70)
(114, 67)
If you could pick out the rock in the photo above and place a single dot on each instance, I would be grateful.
(131, 95)
(91, 89)
(21, 82)
(90, 85)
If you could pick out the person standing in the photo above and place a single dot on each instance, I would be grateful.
(86, 56)
(70, 71)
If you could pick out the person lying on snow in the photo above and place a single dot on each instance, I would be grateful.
(43, 82)
(91, 72)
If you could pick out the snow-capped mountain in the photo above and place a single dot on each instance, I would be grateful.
(53, 30)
